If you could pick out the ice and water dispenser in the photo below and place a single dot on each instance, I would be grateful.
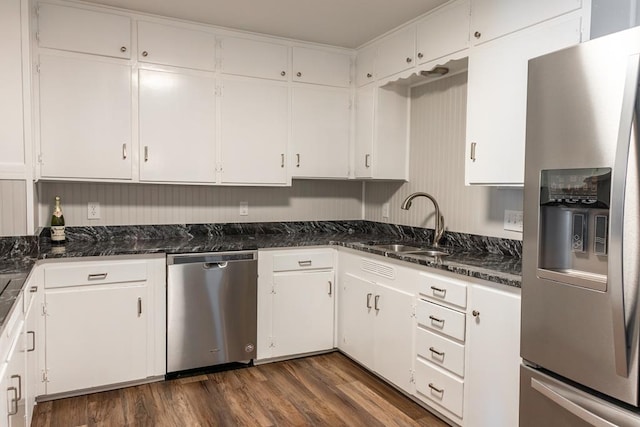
(574, 226)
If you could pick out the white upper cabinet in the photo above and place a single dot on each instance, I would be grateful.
(321, 67)
(254, 132)
(82, 30)
(365, 116)
(252, 58)
(494, 18)
(396, 52)
(320, 132)
(180, 47)
(85, 118)
(365, 65)
(497, 99)
(444, 32)
(11, 107)
(177, 126)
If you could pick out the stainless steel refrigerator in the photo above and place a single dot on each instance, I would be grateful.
(581, 243)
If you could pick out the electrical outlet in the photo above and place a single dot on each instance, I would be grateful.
(513, 220)
(244, 208)
(385, 210)
(93, 210)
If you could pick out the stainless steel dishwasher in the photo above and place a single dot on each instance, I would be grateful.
(211, 309)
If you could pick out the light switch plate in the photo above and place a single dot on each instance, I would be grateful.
(93, 210)
(513, 220)
(244, 208)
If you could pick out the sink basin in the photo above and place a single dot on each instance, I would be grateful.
(398, 248)
(428, 252)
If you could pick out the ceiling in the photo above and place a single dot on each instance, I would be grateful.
(346, 23)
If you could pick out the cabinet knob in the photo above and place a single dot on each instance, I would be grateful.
(420, 55)
(145, 53)
(123, 49)
(477, 34)
(409, 60)
(283, 73)
(299, 74)
(475, 313)
(369, 75)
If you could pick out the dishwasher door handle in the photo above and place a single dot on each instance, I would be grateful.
(212, 265)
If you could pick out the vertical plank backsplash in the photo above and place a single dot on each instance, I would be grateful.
(438, 121)
(139, 204)
(13, 208)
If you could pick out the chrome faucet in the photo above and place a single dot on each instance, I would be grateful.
(439, 230)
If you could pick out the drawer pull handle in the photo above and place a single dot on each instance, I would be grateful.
(330, 286)
(436, 389)
(435, 319)
(98, 276)
(33, 289)
(369, 295)
(297, 160)
(33, 342)
(440, 290)
(367, 161)
(282, 160)
(19, 385)
(14, 401)
(139, 307)
(375, 302)
(439, 353)
(306, 263)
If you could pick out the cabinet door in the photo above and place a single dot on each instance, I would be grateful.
(365, 65)
(95, 335)
(321, 67)
(86, 31)
(497, 99)
(244, 57)
(355, 318)
(11, 113)
(85, 118)
(391, 135)
(320, 132)
(365, 114)
(444, 32)
(493, 361)
(254, 132)
(12, 382)
(493, 18)
(303, 307)
(31, 335)
(394, 327)
(177, 127)
(396, 52)
(180, 47)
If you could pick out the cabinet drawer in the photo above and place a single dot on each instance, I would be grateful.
(440, 351)
(439, 387)
(443, 289)
(86, 31)
(94, 273)
(441, 319)
(303, 260)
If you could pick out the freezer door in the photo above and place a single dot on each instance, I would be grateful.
(582, 113)
(545, 401)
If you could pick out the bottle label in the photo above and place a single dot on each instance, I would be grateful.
(57, 233)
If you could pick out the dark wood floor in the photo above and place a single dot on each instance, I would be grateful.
(326, 390)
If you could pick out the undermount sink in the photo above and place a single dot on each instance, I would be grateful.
(413, 250)
(398, 248)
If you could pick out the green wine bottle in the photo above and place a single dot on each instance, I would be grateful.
(57, 224)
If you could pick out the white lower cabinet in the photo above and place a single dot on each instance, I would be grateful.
(296, 299)
(375, 317)
(492, 381)
(104, 323)
(13, 369)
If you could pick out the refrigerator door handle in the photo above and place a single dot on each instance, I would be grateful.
(626, 135)
(555, 396)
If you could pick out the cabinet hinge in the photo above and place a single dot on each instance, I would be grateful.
(350, 104)
(413, 310)
(218, 167)
(272, 342)
(40, 158)
(218, 91)
(218, 64)
(273, 289)
(412, 376)
(44, 309)
(37, 67)
(37, 10)
(45, 375)
(37, 35)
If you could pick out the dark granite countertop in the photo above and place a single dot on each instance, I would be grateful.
(491, 259)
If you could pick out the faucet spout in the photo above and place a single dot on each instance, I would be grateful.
(439, 226)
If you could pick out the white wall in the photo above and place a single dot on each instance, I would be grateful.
(438, 114)
(137, 204)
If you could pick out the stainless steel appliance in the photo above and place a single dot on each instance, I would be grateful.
(211, 309)
(580, 323)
